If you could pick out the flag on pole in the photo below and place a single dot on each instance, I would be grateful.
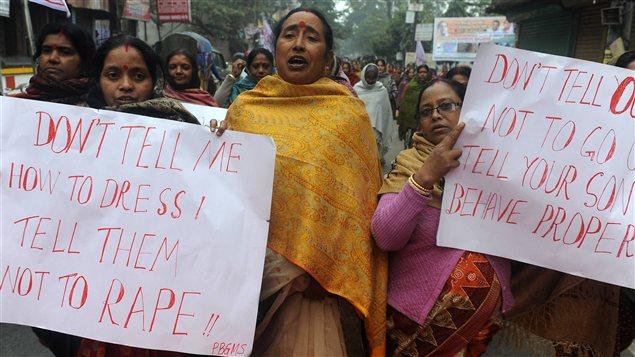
(59, 5)
(420, 54)
(267, 34)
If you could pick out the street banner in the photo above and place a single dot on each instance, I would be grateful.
(174, 11)
(423, 32)
(136, 10)
(132, 230)
(547, 174)
(458, 38)
(59, 5)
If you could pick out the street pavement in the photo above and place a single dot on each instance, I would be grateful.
(19, 341)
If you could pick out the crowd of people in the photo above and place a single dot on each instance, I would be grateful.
(352, 266)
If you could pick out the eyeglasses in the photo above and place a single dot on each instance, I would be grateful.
(443, 109)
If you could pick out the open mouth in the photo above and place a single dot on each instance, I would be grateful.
(124, 100)
(297, 63)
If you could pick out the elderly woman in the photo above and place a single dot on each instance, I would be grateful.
(63, 55)
(183, 81)
(375, 98)
(259, 64)
(321, 264)
(441, 300)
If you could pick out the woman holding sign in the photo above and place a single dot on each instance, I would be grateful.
(441, 300)
(321, 262)
(126, 73)
(63, 54)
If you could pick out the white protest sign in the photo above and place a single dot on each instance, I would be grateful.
(204, 113)
(547, 174)
(132, 230)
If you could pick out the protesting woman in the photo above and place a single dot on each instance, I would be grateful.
(224, 91)
(126, 73)
(348, 71)
(441, 300)
(562, 314)
(336, 73)
(386, 79)
(375, 98)
(626, 60)
(63, 53)
(183, 81)
(459, 74)
(408, 75)
(408, 104)
(321, 262)
(259, 64)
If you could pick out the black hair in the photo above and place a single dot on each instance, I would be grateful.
(258, 51)
(150, 58)
(459, 70)
(625, 59)
(328, 30)
(457, 87)
(195, 81)
(79, 38)
(422, 66)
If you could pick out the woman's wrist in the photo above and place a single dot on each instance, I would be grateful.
(424, 181)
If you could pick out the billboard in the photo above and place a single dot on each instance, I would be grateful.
(458, 38)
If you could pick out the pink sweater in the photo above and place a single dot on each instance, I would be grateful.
(406, 226)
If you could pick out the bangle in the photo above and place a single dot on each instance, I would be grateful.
(417, 187)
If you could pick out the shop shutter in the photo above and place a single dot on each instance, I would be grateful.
(591, 35)
(549, 34)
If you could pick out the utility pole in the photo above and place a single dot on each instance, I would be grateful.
(29, 26)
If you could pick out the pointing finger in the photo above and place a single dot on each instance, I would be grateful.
(449, 141)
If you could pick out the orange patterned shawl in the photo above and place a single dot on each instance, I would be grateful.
(326, 181)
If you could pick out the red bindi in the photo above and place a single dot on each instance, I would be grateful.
(302, 24)
(125, 47)
(125, 67)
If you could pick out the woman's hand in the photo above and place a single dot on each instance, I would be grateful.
(442, 159)
(214, 127)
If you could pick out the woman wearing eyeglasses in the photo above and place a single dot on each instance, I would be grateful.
(441, 300)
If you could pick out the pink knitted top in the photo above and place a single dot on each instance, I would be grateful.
(406, 226)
